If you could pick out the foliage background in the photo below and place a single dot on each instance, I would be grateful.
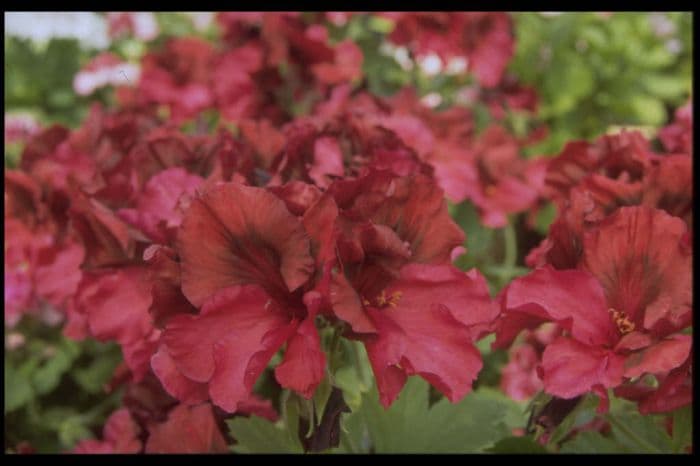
(593, 72)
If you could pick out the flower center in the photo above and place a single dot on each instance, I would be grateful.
(624, 324)
(382, 300)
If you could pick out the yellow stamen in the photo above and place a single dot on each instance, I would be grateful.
(623, 323)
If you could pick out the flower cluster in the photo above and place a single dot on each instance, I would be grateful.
(249, 203)
(613, 274)
(204, 254)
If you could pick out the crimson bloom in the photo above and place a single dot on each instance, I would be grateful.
(623, 311)
(245, 259)
(415, 313)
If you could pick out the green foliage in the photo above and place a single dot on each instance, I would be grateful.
(410, 425)
(39, 78)
(517, 445)
(632, 432)
(54, 388)
(593, 71)
(258, 435)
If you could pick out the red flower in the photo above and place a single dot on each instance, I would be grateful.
(247, 281)
(589, 182)
(158, 210)
(623, 158)
(483, 38)
(179, 77)
(415, 313)
(623, 312)
(115, 304)
(425, 322)
(120, 435)
(519, 379)
(188, 429)
(42, 257)
(346, 66)
(505, 182)
(678, 136)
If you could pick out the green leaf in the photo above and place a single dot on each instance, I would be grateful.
(47, 377)
(71, 430)
(258, 435)
(592, 442)
(649, 110)
(98, 372)
(544, 218)
(682, 429)
(640, 434)
(410, 425)
(18, 389)
(517, 445)
(666, 86)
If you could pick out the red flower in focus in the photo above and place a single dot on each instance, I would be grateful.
(415, 313)
(623, 310)
(120, 435)
(244, 259)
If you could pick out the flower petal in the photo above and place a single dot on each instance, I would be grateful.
(304, 362)
(661, 357)
(640, 258)
(572, 298)
(235, 235)
(571, 368)
(188, 429)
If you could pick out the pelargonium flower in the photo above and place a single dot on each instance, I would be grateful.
(244, 262)
(624, 309)
(42, 257)
(674, 391)
(622, 158)
(415, 313)
(590, 181)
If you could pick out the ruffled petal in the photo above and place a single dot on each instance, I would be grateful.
(304, 361)
(571, 368)
(234, 235)
(572, 298)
